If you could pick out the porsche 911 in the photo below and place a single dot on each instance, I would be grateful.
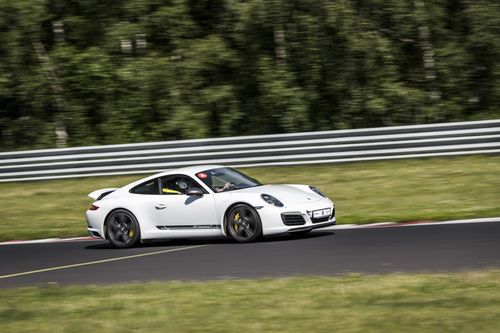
(205, 201)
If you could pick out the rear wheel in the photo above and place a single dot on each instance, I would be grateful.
(243, 223)
(122, 229)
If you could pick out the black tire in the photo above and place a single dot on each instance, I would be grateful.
(122, 229)
(243, 224)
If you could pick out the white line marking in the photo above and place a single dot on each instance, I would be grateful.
(380, 224)
(100, 261)
(336, 227)
(409, 224)
(50, 240)
(342, 226)
(425, 223)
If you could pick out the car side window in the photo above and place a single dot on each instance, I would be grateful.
(177, 184)
(149, 187)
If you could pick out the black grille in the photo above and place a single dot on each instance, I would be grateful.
(293, 219)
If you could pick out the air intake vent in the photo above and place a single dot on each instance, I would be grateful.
(292, 219)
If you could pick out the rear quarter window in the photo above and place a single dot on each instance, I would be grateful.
(148, 187)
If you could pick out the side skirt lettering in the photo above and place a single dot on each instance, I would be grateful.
(191, 227)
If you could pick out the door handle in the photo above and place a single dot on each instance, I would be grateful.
(160, 206)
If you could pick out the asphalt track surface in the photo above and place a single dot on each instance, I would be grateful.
(428, 248)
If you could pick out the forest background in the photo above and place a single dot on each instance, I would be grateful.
(90, 72)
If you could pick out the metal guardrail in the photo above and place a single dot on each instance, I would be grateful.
(478, 137)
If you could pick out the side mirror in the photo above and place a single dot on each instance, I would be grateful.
(194, 191)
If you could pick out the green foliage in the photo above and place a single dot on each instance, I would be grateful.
(149, 70)
(413, 303)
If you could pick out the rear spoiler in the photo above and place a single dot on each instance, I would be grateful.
(99, 194)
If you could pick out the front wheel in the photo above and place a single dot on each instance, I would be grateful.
(122, 229)
(243, 224)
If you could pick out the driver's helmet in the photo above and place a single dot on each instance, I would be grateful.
(182, 184)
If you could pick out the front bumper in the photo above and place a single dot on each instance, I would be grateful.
(298, 218)
(314, 226)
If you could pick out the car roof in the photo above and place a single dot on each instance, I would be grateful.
(190, 169)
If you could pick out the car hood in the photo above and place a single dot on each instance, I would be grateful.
(288, 194)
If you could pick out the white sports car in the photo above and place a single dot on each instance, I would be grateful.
(201, 201)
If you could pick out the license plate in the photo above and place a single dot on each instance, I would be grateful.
(322, 213)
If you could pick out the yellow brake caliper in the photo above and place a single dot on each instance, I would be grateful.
(236, 219)
(131, 233)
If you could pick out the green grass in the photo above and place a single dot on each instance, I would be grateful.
(404, 190)
(452, 302)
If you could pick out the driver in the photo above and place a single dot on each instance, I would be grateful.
(213, 182)
(227, 186)
(182, 185)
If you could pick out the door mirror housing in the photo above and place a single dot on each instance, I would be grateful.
(194, 191)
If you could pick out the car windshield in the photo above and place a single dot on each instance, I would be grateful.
(226, 179)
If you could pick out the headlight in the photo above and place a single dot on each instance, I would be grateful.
(271, 200)
(317, 191)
